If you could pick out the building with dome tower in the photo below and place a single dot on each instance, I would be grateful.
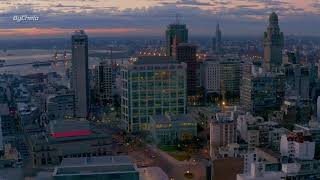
(273, 44)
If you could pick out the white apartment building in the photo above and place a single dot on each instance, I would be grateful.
(258, 172)
(296, 145)
(211, 79)
(264, 170)
(257, 132)
(246, 126)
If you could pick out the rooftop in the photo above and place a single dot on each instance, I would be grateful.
(95, 165)
(224, 117)
(177, 25)
(4, 109)
(155, 60)
(187, 45)
(79, 32)
(96, 161)
(298, 137)
(64, 128)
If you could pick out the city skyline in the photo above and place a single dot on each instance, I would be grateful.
(143, 17)
(114, 101)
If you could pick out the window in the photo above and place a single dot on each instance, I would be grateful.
(150, 75)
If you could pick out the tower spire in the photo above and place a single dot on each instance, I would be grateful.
(273, 44)
(218, 39)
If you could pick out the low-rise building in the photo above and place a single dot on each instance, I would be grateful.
(68, 138)
(312, 129)
(233, 150)
(297, 169)
(222, 130)
(246, 126)
(104, 167)
(170, 128)
(262, 171)
(60, 106)
(301, 169)
(10, 157)
(257, 132)
(262, 164)
(28, 114)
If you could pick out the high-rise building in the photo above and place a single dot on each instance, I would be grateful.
(175, 34)
(261, 90)
(152, 86)
(211, 80)
(273, 44)
(230, 75)
(187, 53)
(218, 40)
(80, 80)
(221, 75)
(213, 45)
(290, 58)
(103, 83)
(302, 81)
(298, 79)
(318, 108)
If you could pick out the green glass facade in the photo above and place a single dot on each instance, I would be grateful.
(152, 90)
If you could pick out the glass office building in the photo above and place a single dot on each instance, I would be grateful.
(152, 86)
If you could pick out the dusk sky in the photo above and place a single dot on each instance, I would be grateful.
(150, 17)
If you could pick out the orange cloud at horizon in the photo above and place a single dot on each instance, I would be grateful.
(24, 32)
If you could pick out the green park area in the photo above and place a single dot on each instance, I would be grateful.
(176, 153)
(169, 148)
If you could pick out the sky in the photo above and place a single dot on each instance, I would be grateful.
(58, 18)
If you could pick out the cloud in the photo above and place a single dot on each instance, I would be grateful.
(271, 2)
(316, 5)
(241, 18)
(188, 3)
